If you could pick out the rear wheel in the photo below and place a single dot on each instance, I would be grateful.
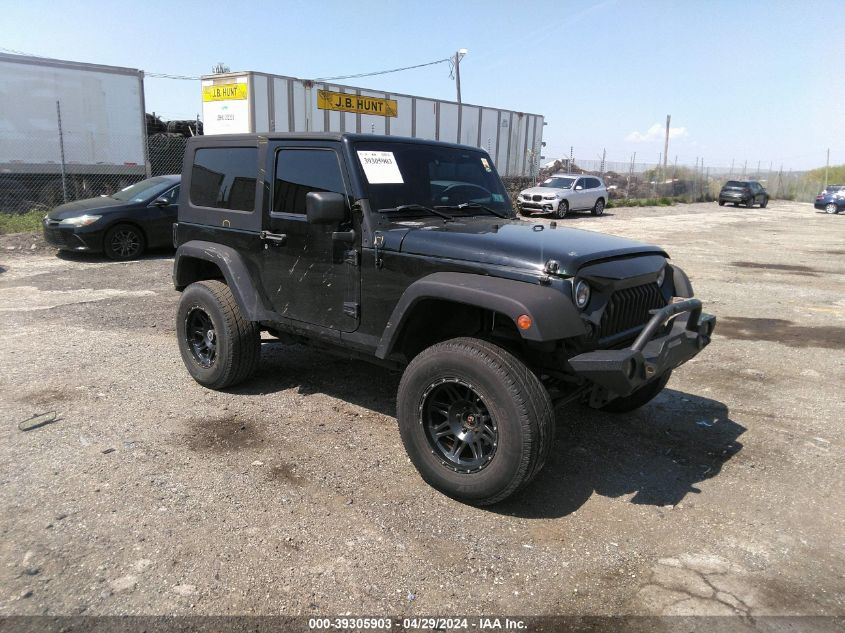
(830, 208)
(123, 242)
(562, 209)
(641, 396)
(475, 421)
(219, 346)
(598, 208)
(721, 203)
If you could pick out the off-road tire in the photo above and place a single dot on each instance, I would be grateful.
(640, 397)
(238, 340)
(123, 242)
(562, 209)
(598, 207)
(515, 399)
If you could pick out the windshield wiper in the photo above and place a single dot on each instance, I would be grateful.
(473, 205)
(418, 207)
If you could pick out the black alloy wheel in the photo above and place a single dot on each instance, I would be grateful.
(200, 337)
(458, 425)
(123, 242)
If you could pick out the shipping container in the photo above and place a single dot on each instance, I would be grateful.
(257, 102)
(68, 126)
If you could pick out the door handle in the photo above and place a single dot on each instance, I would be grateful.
(276, 239)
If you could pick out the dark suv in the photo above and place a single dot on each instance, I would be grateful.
(747, 192)
(409, 254)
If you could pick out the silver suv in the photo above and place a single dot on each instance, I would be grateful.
(562, 193)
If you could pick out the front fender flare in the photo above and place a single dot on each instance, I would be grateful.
(552, 313)
(234, 270)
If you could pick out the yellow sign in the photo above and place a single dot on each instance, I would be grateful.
(328, 100)
(224, 92)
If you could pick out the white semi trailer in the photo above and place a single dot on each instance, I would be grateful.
(255, 102)
(68, 130)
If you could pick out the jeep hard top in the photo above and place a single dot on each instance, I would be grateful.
(408, 253)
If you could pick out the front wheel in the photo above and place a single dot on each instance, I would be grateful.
(721, 203)
(219, 346)
(124, 242)
(764, 203)
(830, 208)
(750, 202)
(476, 422)
(640, 397)
(598, 208)
(562, 209)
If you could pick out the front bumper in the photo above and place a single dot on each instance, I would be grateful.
(543, 206)
(71, 238)
(623, 371)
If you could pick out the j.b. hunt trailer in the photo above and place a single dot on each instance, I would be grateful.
(257, 102)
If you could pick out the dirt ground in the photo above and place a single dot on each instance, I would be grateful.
(293, 495)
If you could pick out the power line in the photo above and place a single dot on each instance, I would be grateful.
(167, 76)
(384, 72)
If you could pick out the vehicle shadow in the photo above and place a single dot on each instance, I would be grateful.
(78, 256)
(311, 371)
(657, 454)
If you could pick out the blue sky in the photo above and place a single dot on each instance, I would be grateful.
(743, 80)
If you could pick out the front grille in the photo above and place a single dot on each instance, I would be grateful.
(538, 198)
(629, 308)
(58, 237)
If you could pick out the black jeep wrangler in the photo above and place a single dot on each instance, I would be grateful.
(409, 253)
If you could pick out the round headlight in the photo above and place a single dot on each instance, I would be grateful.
(582, 294)
(661, 277)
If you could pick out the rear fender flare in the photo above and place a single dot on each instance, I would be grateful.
(552, 313)
(231, 265)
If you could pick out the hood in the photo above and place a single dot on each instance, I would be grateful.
(89, 205)
(518, 244)
(543, 190)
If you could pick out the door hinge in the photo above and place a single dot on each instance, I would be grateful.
(351, 309)
(352, 257)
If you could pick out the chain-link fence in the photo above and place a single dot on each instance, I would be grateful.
(49, 168)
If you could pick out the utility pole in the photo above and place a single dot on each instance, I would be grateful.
(666, 143)
(731, 172)
(603, 158)
(457, 58)
(571, 157)
(757, 177)
(744, 167)
(826, 167)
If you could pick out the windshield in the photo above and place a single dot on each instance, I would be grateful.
(736, 183)
(397, 174)
(558, 183)
(144, 190)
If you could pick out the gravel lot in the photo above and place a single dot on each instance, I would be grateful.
(293, 495)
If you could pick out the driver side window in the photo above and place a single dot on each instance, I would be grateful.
(173, 195)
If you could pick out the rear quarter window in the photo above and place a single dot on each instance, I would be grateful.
(224, 178)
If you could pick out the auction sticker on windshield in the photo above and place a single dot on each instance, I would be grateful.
(380, 168)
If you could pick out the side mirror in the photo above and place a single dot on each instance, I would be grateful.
(325, 207)
(161, 202)
(578, 188)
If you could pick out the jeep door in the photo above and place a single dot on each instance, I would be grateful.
(310, 272)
